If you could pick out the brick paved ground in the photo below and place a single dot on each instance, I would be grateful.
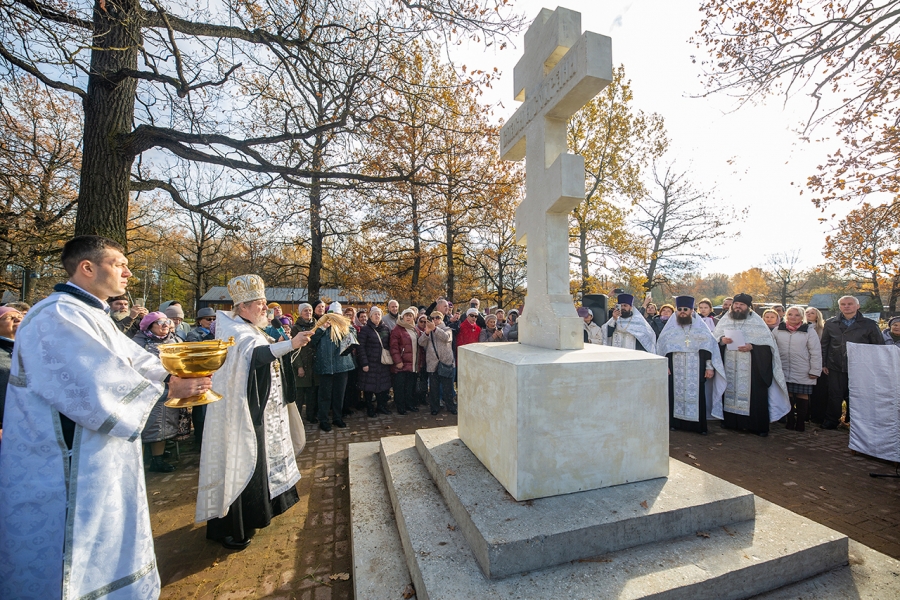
(305, 554)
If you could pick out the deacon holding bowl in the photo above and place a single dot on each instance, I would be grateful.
(74, 521)
(248, 466)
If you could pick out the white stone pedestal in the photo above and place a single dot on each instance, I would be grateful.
(548, 422)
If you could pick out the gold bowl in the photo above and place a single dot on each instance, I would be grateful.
(194, 359)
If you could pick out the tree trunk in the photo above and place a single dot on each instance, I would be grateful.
(108, 114)
(451, 271)
(583, 258)
(417, 248)
(314, 280)
(895, 293)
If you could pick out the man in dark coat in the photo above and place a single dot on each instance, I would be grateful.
(849, 326)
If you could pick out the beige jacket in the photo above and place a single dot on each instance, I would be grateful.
(443, 341)
(801, 353)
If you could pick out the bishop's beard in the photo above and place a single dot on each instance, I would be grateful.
(738, 315)
(626, 314)
(684, 320)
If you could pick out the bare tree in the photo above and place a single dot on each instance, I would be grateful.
(785, 277)
(679, 223)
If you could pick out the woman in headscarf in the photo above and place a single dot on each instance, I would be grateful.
(331, 366)
(163, 422)
(404, 343)
(306, 382)
(362, 317)
(374, 378)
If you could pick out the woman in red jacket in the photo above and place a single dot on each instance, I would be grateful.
(406, 355)
(469, 331)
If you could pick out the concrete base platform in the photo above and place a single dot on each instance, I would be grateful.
(379, 567)
(509, 537)
(550, 422)
(448, 568)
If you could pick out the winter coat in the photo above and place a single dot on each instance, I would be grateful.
(469, 333)
(6, 348)
(657, 324)
(371, 341)
(888, 340)
(328, 354)
(594, 333)
(835, 336)
(305, 358)
(402, 349)
(487, 335)
(200, 334)
(801, 353)
(151, 343)
(443, 342)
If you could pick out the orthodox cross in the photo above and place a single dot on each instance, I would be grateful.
(561, 71)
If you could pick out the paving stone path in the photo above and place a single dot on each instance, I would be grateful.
(305, 553)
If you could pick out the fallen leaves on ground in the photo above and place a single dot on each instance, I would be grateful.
(702, 534)
(822, 487)
(450, 473)
(791, 460)
(339, 576)
(451, 527)
(409, 591)
(690, 456)
(644, 504)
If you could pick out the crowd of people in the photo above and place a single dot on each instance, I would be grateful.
(747, 370)
(82, 382)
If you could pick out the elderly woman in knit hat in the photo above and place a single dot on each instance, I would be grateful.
(306, 381)
(407, 357)
(331, 366)
(176, 315)
(163, 423)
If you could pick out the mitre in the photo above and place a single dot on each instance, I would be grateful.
(246, 288)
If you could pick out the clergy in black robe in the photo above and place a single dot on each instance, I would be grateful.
(756, 393)
(696, 371)
(248, 467)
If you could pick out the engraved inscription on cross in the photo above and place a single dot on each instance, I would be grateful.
(561, 71)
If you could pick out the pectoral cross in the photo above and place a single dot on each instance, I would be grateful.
(561, 71)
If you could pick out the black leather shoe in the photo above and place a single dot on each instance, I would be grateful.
(763, 434)
(158, 465)
(382, 410)
(233, 544)
(313, 420)
(452, 411)
(370, 413)
(434, 412)
(401, 412)
(325, 426)
(338, 423)
(414, 409)
(829, 425)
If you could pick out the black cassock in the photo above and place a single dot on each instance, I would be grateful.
(253, 509)
(761, 378)
(699, 426)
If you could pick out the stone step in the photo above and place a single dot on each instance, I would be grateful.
(738, 561)
(509, 537)
(379, 567)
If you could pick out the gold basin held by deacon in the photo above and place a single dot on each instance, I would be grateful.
(194, 359)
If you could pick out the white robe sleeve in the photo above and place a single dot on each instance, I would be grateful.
(92, 374)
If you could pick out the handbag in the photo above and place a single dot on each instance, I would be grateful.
(385, 353)
(348, 342)
(443, 369)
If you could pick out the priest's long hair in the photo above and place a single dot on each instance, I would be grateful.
(340, 325)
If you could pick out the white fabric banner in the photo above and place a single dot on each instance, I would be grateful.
(874, 373)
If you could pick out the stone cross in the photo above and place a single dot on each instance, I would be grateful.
(561, 71)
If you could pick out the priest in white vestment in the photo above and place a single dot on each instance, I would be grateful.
(627, 327)
(74, 521)
(696, 372)
(755, 394)
(248, 466)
